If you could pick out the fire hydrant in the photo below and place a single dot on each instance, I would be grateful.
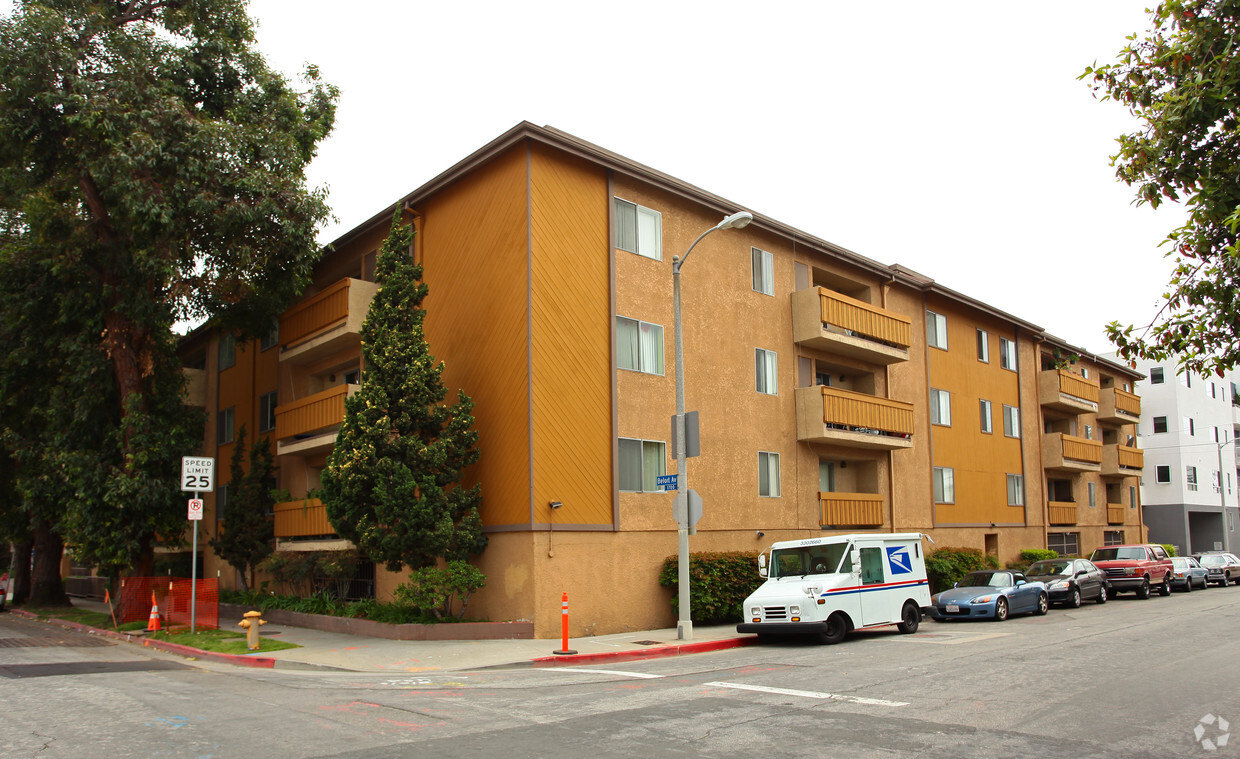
(253, 620)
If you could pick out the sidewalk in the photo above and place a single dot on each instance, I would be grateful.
(326, 650)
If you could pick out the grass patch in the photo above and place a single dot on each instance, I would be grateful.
(219, 641)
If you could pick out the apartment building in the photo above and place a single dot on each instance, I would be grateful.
(834, 393)
(1188, 430)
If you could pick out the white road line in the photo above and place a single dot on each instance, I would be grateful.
(809, 694)
(641, 675)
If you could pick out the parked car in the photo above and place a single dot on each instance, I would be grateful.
(990, 594)
(1223, 567)
(1139, 567)
(1188, 573)
(1069, 581)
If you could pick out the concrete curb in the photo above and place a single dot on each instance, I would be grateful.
(243, 660)
(654, 652)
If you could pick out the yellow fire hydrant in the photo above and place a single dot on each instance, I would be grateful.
(253, 620)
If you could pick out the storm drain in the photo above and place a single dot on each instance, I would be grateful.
(87, 668)
(77, 641)
(648, 643)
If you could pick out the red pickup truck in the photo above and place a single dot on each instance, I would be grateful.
(1136, 567)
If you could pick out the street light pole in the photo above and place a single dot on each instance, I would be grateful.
(684, 626)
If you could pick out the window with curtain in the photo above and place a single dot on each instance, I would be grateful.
(267, 412)
(987, 421)
(639, 346)
(1016, 490)
(936, 330)
(944, 485)
(763, 271)
(983, 346)
(228, 351)
(224, 426)
(1007, 353)
(1011, 421)
(768, 474)
(765, 366)
(639, 230)
(940, 407)
(641, 461)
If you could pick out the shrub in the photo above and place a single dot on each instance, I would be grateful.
(718, 584)
(436, 590)
(945, 566)
(1029, 556)
(1170, 549)
(395, 614)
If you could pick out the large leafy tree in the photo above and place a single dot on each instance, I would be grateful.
(392, 482)
(1182, 80)
(247, 531)
(152, 166)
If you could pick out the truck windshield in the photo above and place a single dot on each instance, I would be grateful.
(811, 560)
(1121, 554)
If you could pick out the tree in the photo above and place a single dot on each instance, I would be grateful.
(1183, 82)
(245, 536)
(153, 163)
(392, 481)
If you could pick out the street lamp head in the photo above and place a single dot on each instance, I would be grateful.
(735, 221)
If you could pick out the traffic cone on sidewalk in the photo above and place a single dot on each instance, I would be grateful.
(154, 625)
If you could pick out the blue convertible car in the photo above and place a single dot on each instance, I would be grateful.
(990, 594)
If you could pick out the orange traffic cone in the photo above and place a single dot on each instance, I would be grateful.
(153, 625)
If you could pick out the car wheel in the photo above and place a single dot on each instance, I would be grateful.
(1074, 601)
(1044, 603)
(910, 618)
(1165, 589)
(1188, 585)
(1001, 610)
(1205, 583)
(1144, 590)
(837, 628)
(1103, 593)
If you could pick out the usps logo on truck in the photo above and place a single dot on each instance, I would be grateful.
(898, 560)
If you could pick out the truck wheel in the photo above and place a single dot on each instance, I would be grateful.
(910, 617)
(837, 628)
(1165, 590)
(1144, 590)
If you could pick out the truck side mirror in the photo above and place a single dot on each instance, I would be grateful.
(762, 565)
(856, 561)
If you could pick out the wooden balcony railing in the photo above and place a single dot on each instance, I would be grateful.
(305, 517)
(858, 411)
(1061, 512)
(315, 314)
(1077, 386)
(851, 509)
(1115, 513)
(1127, 402)
(864, 319)
(1131, 458)
(312, 413)
(1081, 449)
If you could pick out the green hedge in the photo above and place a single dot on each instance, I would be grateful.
(945, 566)
(719, 583)
(1029, 556)
(1170, 549)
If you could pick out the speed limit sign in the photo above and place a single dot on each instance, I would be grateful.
(197, 474)
(195, 508)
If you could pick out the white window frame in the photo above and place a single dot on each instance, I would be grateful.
(1007, 354)
(267, 411)
(987, 416)
(1093, 494)
(1156, 375)
(766, 371)
(1016, 489)
(656, 450)
(940, 407)
(944, 484)
(1190, 427)
(1155, 421)
(1011, 421)
(645, 236)
(768, 467)
(983, 346)
(763, 269)
(645, 333)
(1190, 478)
(1159, 470)
(936, 330)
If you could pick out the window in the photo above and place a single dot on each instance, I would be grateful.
(270, 337)
(224, 426)
(983, 346)
(765, 366)
(1093, 494)
(640, 462)
(1160, 424)
(1007, 353)
(944, 485)
(1016, 489)
(267, 412)
(987, 425)
(1112, 537)
(763, 271)
(1162, 474)
(1085, 372)
(1190, 428)
(1216, 435)
(936, 330)
(228, 351)
(1064, 543)
(826, 476)
(1213, 390)
(639, 230)
(639, 346)
(1186, 379)
(768, 474)
(1089, 432)
(221, 501)
(1156, 375)
(1011, 421)
(353, 377)
(940, 407)
(1190, 477)
(1132, 496)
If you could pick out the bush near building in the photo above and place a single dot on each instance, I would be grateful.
(719, 583)
(945, 566)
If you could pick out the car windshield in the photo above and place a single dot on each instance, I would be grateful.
(1043, 568)
(1212, 561)
(1133, 553)
(1180, 562)
(986, 580)
(810, 560)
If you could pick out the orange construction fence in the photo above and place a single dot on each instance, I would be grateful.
(172, 595)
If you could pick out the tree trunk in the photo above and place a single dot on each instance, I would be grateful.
(19, 581)
(47, 587)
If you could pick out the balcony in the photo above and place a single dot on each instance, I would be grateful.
(843, 417)
(327, 322)
(1115, 513)
(850, 510)
(1061, 390)
(1116, 406)
(1073, 454)
(834, 323)
(1061, 513)
(302, 518)
(1120, 460)
(195, 387)
(309, 425)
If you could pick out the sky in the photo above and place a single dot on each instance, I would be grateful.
(952, 138)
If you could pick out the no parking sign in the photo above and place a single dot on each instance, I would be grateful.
(195, 508)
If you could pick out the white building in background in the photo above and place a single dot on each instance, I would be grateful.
(1190, 488)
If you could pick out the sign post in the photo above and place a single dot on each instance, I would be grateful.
(197, 476)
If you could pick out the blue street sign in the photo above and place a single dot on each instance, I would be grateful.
(666, 481)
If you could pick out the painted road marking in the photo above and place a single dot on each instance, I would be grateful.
(949, 638)
(809, 694)
(641, 675)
